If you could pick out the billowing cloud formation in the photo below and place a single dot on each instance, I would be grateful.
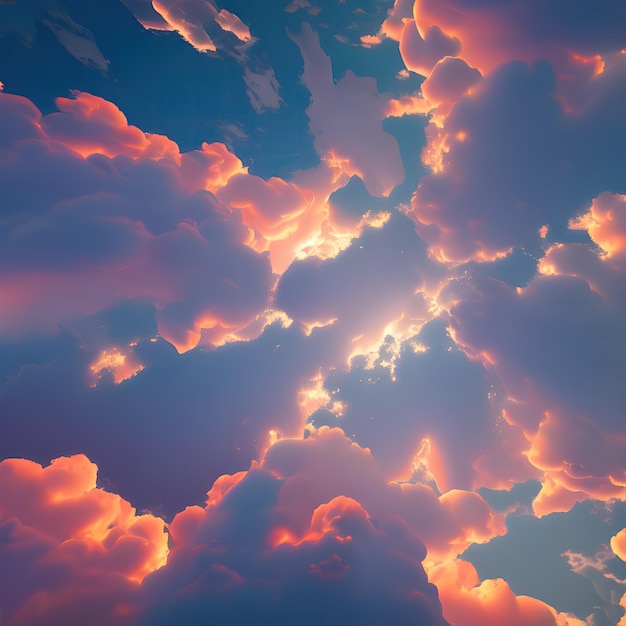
(119, 213)
(548, 101)
(569, 315)
(71, 553)
(351, 566)
(132, 429)
(491, 33)
(618, 544)
(327, 465)
(423, 406)
(361, 329)
(260, 547)
(469, 602)
(509, 159)
(536, 551)
(310, 541)
(378, 279)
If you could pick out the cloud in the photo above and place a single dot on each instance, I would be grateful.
(327, 464)
(262, 89)
(92, 125)
(469, 602)
(508, 159)
(423, 407)
(189, 18)
(569, 547)
(231, 23)
(450, 79)
(511, 150)
(379, 278)
(312, 537)
(220, 394)
(538, 365)
(346, 120)
(489, 34)
(348, 569)
(194, 20)
(120, 213)
(354, 356)
(568, 315)
(208, 30)
(77, 40)
(618, 544)
(272, 207)
(421, 54)
(71, 552)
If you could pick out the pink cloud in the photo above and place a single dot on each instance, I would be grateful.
(421, 54)
(230, 22)
(557, 369)
(189, 19)
(272, 207)
(450, 79)
(467, 601)
(618, 544)
(320, 507)
(605, 221)
(72, 553)
(491, 34)
(192, 19)
(122, 213)
(327, 465)
(92, 125)
(428, 409)
(508, 158)
(399, 14)
(489, 184)
(346, 120)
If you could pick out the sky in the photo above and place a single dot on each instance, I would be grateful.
(312, 312)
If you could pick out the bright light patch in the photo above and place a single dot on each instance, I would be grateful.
(309, 328)
(230, 22)
(370, 40)
(595, 62)
(329, 241)
(119, 365)
(314, 397)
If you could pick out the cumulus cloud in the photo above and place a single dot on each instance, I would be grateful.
(349, 371)
(422, 406)
(561, 322)
(328, 464)
(378, 279)
(534, 140)
(489, 34)
(469, 602)
(221, 395)
(71, 552)
(618, 544)
(120, 213)
(353, 567)
(209, 30)
(311, 537)
(508, 159)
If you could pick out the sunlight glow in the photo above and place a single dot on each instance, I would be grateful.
(120, 365)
